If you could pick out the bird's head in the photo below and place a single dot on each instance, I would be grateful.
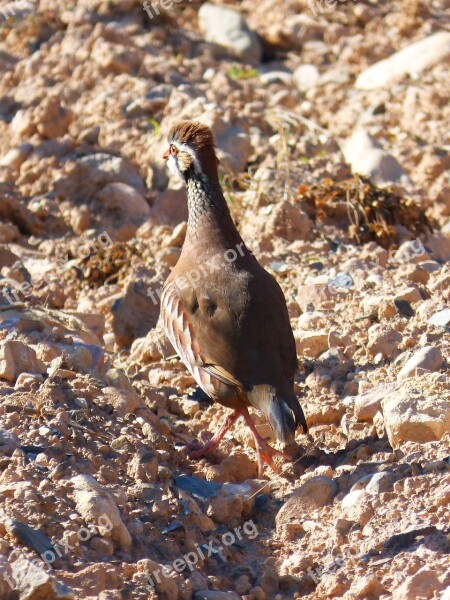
(191, 151)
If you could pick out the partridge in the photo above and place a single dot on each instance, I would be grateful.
(223, 313)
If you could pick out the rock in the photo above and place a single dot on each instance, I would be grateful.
(268, 75)
(7, 258)
(368, 404)
(197, 487)
(379, 483)
(314, 493)
(215, 595)
(420, 585)
(16, 156)
(52, 118)
(169, 208)
(343, 526)
(342, 280)
(357, 506)
(416, 412)
(162, 579)
(16, 358)
(426, 359)
(441, 318)
(283, 219)
(31, 538)
(368, 587)
(8, 442)
(8, 233)
(314, 296)
(235, 468)
(78, 357)
(410, 251)
(317, 491)
(233, 500)
(97, 506)
(154, 346)
(234, 148)
(367, 157)
(288, 221)
(312, 320)
(7, 584)
(435, 465)
(143, 467)
(124, 402)
(116, 58)
(384, 340)
(226, 27)
(430, 266)
(412, 60)
(86, 176)
(439, 246)
(306, 77)
(353, 498)
(176, 240)
(126, 200)
(311, 343)
(34, 583)
(446, 595)
(137, 310)
(93, 321)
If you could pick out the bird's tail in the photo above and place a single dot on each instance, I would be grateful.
(285, 416)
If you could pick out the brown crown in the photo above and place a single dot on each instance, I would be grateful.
(195, 134)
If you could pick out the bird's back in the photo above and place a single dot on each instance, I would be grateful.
(238, 312)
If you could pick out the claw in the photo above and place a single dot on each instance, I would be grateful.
(265, 452)
(197, 450)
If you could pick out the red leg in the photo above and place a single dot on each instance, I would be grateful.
(265, 452)
(199, 451)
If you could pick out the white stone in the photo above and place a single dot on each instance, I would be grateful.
(226, 27)
(366, 157)
(123, 197)
(368, 404)
(412, 60)
(412, 415)
(98, 507)
(16, 358)
(306, 77)
(16, 156)
(426, 359)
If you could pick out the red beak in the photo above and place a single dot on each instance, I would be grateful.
(166, 154)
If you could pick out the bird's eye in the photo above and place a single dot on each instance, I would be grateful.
(173, 150)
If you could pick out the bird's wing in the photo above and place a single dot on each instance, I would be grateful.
(240, 325)
(182, 335)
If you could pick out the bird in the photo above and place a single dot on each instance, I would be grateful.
(223, 313)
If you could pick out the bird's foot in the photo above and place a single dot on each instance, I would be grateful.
(266, 455)
(197, 450)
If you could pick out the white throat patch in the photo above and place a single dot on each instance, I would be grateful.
(172, 165)
(172, 161)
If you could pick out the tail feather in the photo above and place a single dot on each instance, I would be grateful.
(285, 416)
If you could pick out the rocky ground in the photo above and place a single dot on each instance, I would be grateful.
(330, 119)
